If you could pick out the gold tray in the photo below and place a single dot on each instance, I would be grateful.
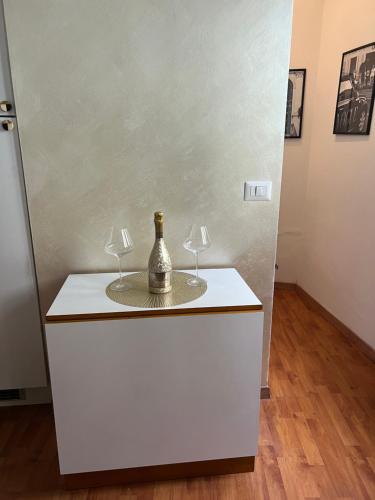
(139, 296)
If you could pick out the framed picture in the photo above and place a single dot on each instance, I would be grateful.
(294, 104)
(355, 96)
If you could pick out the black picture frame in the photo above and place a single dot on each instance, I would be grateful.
(356, 91)
(294, 104)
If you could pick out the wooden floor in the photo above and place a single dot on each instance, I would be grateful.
(317, 432)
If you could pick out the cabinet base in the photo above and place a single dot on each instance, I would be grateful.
(158, 472)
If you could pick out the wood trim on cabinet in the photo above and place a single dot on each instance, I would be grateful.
(67, 318)
(158, 472)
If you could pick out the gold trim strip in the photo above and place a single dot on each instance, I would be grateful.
(154, 313)
(214, 467)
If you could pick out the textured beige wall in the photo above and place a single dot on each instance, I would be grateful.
(130, 106)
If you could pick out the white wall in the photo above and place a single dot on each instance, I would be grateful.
(307, 17)
(337, 254)
(339, 245)
(126, 107)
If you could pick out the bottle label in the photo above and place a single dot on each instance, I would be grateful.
(159, 282)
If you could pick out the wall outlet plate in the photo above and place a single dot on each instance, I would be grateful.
(258, 191)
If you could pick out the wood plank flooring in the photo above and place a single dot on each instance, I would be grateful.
(317, 435)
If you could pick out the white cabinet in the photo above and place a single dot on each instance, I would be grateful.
(155, 387)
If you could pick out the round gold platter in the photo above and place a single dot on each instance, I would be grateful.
(139, 296)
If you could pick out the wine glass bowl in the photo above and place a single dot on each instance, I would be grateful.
(118, 244)
(196, 241)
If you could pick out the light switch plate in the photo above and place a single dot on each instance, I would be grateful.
(258, 190)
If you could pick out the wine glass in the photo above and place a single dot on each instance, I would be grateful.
(119, 243)
(197, 240)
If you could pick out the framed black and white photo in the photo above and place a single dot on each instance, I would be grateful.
(294, 104)
(355, 96)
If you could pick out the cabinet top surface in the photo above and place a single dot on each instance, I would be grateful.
(83, 296)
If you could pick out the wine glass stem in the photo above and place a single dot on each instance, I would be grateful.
(196, 266)
(119, 268)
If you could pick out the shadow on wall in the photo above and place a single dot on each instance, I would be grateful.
(23, 348)
(264, 291)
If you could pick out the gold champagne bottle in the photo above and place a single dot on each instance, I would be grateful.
(159, 264)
